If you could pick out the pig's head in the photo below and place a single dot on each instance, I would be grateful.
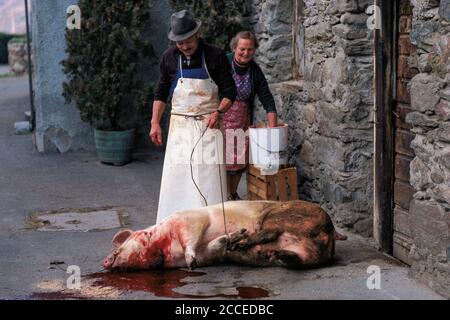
(134, 251)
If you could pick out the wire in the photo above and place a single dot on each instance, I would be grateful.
(223, 206)
(192, 172)
(221, 187)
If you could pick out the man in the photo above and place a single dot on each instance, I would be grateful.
(198, 77)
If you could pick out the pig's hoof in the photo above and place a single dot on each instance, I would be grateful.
(238, 245)
(237, 240)
(239, 235)
(192, 264)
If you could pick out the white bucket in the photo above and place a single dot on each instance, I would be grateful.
(268, 148)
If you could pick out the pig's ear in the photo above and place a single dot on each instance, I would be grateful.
(120, 237)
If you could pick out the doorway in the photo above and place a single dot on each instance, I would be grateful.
(393, 153)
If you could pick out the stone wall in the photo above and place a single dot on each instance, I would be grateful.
(330, 109)
(272, 21)
(430, 169)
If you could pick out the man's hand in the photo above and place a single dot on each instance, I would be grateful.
(212, 121)
(156, 134)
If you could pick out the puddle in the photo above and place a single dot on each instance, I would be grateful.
(161, 283)
(78, 220)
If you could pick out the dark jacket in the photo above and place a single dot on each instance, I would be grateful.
(260, 87)
(216, 62)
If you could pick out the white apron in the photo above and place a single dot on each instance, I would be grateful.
(192, 102)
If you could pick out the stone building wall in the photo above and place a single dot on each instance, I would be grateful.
(330, 113)
(430, 169)
(330, 108)
(272, 21)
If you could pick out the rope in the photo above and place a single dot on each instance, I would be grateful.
(192, 172)
(223, 207)
(221, 189)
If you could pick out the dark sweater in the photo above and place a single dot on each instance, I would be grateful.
(216, 62)
(260, 87)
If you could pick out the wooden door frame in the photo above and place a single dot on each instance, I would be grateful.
(385, 47)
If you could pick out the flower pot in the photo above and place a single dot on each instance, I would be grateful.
(114, 147)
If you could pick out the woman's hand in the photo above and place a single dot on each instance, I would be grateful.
(156, 134)
(212, 121)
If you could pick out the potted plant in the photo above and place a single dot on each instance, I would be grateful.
(105, 67)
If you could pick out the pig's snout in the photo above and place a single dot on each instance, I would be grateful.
(109, 261)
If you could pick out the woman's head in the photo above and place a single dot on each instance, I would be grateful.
(244, 45)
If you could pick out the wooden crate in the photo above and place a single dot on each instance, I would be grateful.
(281, 186)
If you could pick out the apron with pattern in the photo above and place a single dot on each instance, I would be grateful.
(237, 117)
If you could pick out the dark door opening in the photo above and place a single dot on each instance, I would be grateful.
(393, 153)
(403, 153)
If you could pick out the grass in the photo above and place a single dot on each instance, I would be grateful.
(8, 75)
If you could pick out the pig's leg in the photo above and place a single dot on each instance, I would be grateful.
(213, 252)
(217, 248)
(286, 250)
(190, 254)
(259, 256)
(191, 236)
(220, 244)
(261, 237)
(265, 256)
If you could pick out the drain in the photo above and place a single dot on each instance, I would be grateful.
(84, 220)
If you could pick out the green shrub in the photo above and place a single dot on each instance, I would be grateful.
(20, 39)
(105, 63)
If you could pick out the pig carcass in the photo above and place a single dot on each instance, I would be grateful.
(293, 234)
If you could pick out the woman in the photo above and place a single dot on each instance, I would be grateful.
(250, 81)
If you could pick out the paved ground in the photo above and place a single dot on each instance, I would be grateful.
(4, 68)
(34, 263)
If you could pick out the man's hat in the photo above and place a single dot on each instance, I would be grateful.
(183, 25)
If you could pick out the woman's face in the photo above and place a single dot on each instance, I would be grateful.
(244, 51)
